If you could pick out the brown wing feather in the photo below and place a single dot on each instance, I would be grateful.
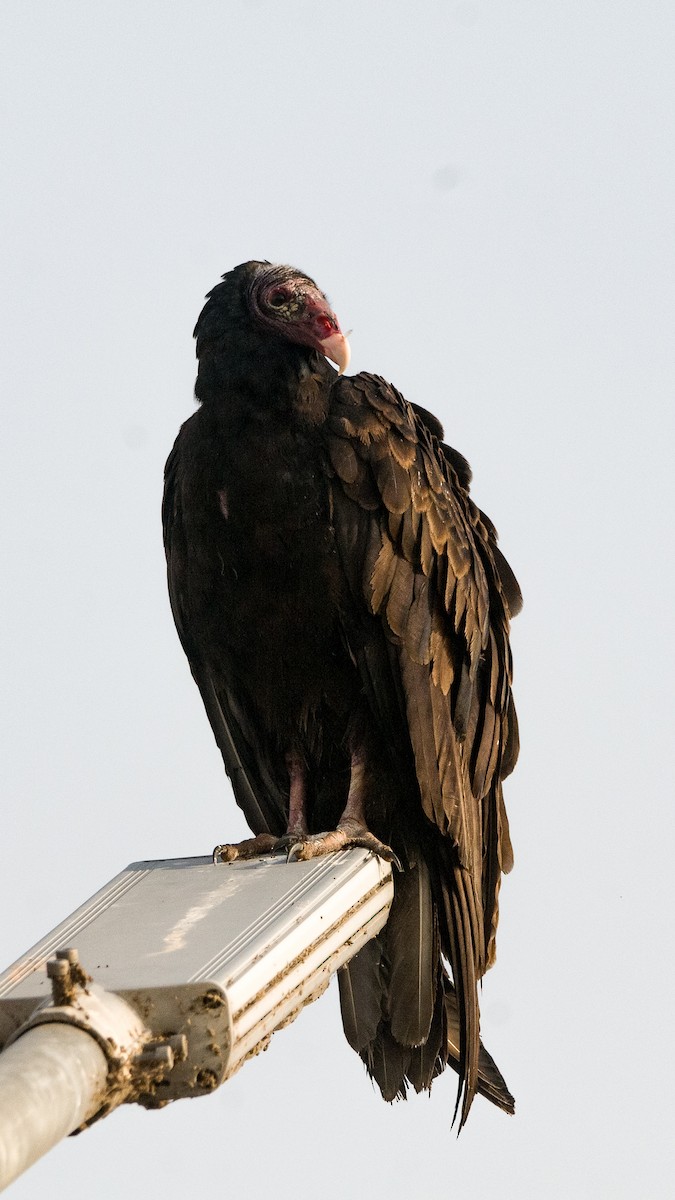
(444, 593)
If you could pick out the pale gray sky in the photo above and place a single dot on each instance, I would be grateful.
(485, 191)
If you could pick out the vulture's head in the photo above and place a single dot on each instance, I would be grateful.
(260, 305)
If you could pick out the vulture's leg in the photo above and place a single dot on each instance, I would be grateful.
(266, 843)
(352, 829)
(297, 801)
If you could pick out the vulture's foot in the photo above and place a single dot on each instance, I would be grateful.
(254, 847)
(343, 838)
(257, 847)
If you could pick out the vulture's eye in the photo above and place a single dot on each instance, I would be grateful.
(279, 297)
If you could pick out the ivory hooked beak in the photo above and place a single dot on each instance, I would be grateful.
(336, 348)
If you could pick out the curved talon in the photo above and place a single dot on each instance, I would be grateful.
(226, 853)
(286, 843)
(379, 849)
(370, 842)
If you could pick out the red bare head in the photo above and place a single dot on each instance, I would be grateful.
(290, 304)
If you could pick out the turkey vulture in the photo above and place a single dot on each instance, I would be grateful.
(345, 611)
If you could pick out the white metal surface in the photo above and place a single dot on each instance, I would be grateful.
(223, 954)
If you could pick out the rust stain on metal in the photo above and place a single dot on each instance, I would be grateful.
(300, 958)
(259, 1048)
(295, 1012)
(206, 1079)
(211, 999)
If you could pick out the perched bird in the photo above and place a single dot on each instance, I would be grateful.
(345, 611)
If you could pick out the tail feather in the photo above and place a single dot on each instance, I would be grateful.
(464, 937)
(361, 996)
(412, 953)
(387, 1061)
(400, 1010)
(427, 1061)
(490, 1081)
